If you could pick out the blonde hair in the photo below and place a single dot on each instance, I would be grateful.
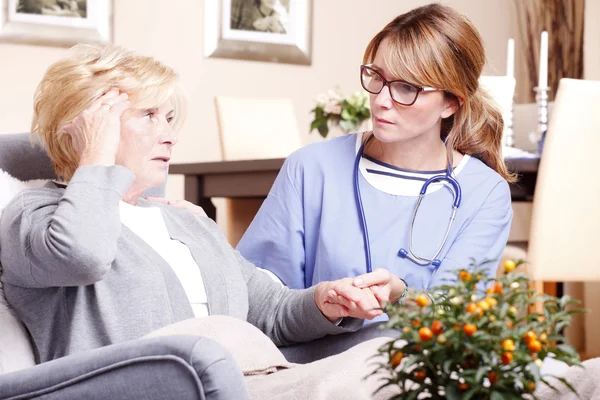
(71, 85)
(436, 46)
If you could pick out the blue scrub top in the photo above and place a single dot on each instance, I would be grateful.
(308, 230)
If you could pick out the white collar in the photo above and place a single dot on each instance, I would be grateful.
(397, 181)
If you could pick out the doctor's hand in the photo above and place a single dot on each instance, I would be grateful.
(342, 299)
(386, 286)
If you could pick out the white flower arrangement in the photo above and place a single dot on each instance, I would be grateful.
(347, 112)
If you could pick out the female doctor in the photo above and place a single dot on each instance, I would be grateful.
(351, 205)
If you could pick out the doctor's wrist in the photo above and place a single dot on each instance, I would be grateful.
(400, 291)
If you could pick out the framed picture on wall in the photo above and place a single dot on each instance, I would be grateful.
(259, 30)
(56, 22)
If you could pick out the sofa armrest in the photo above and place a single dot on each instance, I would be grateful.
(177, 367)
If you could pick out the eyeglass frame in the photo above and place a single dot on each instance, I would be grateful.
(387, 83)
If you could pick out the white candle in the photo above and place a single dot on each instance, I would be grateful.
(543, 77)
(510, 59)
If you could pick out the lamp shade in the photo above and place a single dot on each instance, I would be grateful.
(565, 229)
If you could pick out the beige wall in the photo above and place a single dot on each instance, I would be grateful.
(172, 31)
(591, 41)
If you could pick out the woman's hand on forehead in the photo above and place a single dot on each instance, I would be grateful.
(96, 132)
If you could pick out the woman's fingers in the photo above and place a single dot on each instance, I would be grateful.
(345, 288)
(104, 99)
(161, 200)
(119, 108)
(364, 305)
(380, 276)
(382, 295)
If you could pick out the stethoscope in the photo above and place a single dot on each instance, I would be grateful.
(422, 261)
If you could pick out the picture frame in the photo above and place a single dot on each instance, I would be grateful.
(56, 22)
(259, 30)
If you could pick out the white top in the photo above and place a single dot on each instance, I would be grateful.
(148, 224)
(398, 181)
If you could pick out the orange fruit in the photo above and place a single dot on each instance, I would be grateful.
(531, 386)
(529, 337)
(463, 386)
(471, 308)
(416, 322)
(437, 327)
(465, 276)
(507, 358)
(406, 329)
(420, 375)
(422, 300)
(498, 288)
(535, 346)
(509, 324)
(493, 377)
(490, 290)
(509, 266)
(425, 333)
(395, 361)
(469, 329)
(492, 302)
(483, 305)
(508, 345)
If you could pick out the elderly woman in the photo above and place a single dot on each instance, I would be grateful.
(88, 262)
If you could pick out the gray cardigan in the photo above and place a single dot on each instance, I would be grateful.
(79, 279)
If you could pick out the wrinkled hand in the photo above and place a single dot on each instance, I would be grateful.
(385, 286)
(342, 299)
(96, 132)
(196, 210)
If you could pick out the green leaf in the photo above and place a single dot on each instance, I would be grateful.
(567, 349)
(567, 384)
(346, 114)
(448, 365)
(481, 372)
(468, 395)
(347, 125)
(323, 130)
(412, 395)
(315, 124)
(549, 385)
(452, 392)
(319, 113)
(497, 396)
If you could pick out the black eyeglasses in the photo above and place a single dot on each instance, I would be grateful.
(401, 92)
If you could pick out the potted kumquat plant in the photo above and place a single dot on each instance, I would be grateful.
(475, 339)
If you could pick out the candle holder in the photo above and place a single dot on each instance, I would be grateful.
(541, 99)
(509, 135)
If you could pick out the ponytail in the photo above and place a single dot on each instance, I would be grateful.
(476, 129)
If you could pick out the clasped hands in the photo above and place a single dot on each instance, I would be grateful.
(362, 297)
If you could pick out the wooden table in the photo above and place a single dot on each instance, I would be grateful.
(254, 178)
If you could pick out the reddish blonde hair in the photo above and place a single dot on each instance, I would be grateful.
(436, 46)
